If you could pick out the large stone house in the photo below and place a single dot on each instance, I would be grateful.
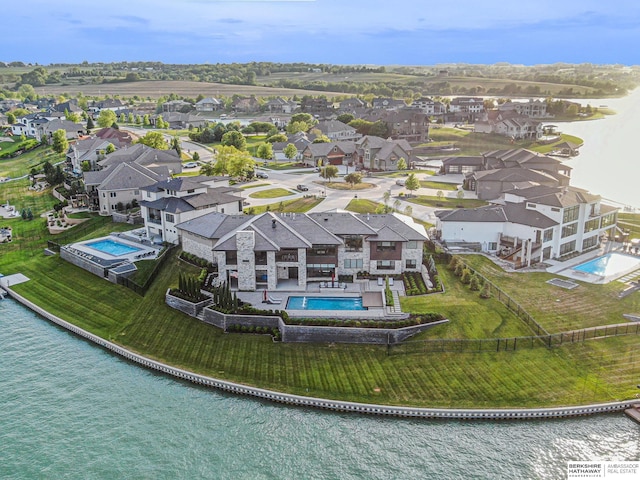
(167, 203)
(379, 154)
(209, 104)
(530, 225)
(268, 250)
(337, 131)
(407, 124)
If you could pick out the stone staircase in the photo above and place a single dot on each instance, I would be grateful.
(395, 308)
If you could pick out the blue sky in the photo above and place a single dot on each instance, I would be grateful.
(382, 32)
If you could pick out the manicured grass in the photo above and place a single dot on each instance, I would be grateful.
(552, 146)
(352, 372)
(254, 185)
(271, 193)
(555, 308)
(284, 166)
(438, 185)
(346, 186)
(630, 222)
(297, 205)
(22, 165)
(404, 173)
(446, 202)
(362, 205)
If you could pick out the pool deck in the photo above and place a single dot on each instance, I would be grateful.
(143, 250)
(566, 268)
(368, 289)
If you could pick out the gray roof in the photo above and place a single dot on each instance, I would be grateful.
(393, 221)
(342, 223)
(513, 175)
(463, 160)
(128, 176)
(510, 212)
(557, 196)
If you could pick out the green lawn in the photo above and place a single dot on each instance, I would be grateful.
(22, 165)
(472, 143)
(297, 205)
(362, 205)
(404, 173)
(254, 185)
(438, 185)
(630, 222)
(446, 202)
(271, 193)
(345, 186)
(283, 166)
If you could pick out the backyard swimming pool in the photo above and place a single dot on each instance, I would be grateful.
(325, 303)
(112, 247)
(610, 266)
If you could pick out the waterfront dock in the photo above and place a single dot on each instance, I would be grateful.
(633, 412)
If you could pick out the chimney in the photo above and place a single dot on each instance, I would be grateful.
(273, 223)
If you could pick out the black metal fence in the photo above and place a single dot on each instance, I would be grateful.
(142, 289)
(514, 343)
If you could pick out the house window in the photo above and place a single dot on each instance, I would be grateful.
(386, 264)
(148, 194)
(567, 247)
(589, 242)
(104, 195)
(353, 243)
(412, 244)
(169, 217)
(112, 194)
(411, 264)
(592, 225)
(570, 229)
(136, 192)
(385, 246)
(548, 235)
(608, 220)
(353, 263)
(570, 214)
(493, 246)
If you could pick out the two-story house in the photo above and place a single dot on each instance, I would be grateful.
(267, 250)
(379, 154)
(170, 202)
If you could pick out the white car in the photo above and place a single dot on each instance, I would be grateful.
(190, 165)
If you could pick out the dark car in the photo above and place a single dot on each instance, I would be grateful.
(303, 188)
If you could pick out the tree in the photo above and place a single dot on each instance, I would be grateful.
(234, 139)
(122, 118)
(154, 140)
(90, 124)
(278, 137)
(412, 182)
(71, 116)
(160, 123)
(110, 149)
(106, 118)
(353, 179)
(175, 144)
(265, 151)
(60, 142)
(304, 117)
(440, 195)
(26, 91)
(329, 172)
(195, 157)
(408, 210)
(145, 120)
(11, 118)
(402, 164)
(322, 139)
(345, 118)
(290, 151)
(386, 197)
(295, 127)
(230, 161)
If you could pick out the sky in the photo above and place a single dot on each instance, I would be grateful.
(378, 32)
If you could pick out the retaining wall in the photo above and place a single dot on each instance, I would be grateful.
(82, 263)
(335, 405)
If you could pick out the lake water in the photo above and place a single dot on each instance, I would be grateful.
(71, 410)
(608, 162)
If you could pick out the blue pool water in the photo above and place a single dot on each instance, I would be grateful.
(325, 303)
(112, 247)
(609, 265)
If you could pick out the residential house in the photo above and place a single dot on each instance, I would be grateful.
(378, 154)
(46, 130)
(337, 131)
(177, 120)
(490, 184)
(113, 104)
(331, 153)
(429, 106)
(209, 104)
(510, 124)
(68, 106)
(246, 104)
(465, 109)
(317, 105)
(534, 108)
(120, 138)
(462, 164)
(300, 140)
(159, 161)
(112, 189)
(176, 106)
(531, 225)
(89, 150)
(405, 124)
(388, 103)
(352, 104)
(167, 203)
(28, 125)
(281, 105)
(267, 251)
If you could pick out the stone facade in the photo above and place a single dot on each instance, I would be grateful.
(245, 241)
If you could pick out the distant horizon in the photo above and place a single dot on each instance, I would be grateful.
(358, 32)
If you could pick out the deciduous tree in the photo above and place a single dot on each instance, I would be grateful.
(329, 172)
(106, 118)
(290, 151)
(60, 142)
(234, 139)
(412, 182)
(154, 140)
(353, 179)
(265, 151)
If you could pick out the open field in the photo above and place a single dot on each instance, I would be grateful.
(156, 89)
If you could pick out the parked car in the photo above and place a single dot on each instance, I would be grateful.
(303, 188)
(262, 175)
(401, 182)
(190, 165)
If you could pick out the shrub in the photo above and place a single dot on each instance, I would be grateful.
(486, 291)
(474, 283)
(465, 278)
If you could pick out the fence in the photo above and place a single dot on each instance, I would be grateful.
(510, 303)
(515, 343)
(142, 289)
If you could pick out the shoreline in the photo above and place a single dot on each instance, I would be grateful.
(327, 404)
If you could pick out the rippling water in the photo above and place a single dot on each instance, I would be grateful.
(69, 409)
